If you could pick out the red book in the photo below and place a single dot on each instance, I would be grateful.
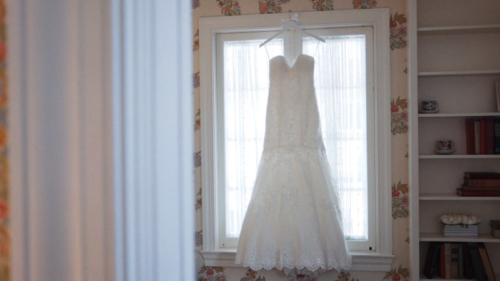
(467, 262)
(481, 187)
(482, 182)
(469, 135)
(483, 136)
(442, 272)
(478, 193)
(490, 136)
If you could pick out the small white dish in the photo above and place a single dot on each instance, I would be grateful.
(429, 111)
(445, 151)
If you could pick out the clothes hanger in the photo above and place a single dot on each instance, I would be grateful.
(292, 23)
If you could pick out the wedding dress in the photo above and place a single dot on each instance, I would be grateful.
(293, 221)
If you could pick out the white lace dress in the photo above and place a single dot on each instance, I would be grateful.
(293, 221)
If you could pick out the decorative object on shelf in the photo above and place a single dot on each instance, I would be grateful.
(454, 219)
(445, 147)
(461, 230)
(445, 144)
(430, 105)
(429, 111)
(495, 228)
(445, 152)
(460, 225)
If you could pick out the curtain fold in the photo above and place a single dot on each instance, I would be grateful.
(340, 83)
(246, 89)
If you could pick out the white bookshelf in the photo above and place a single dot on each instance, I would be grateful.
(454, 59)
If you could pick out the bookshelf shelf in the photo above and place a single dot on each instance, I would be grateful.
(458, 73)
(458, 115)
(497, 276)
(454, 197)
(438, 237)
(453, 30)
(460, 156)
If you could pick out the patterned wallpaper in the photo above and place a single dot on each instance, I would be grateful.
(399, 127)
(4, 164)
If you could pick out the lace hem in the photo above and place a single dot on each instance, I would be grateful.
(291, 270)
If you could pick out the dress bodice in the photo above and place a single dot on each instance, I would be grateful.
(292, 112)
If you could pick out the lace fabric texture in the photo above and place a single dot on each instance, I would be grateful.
(293, 221)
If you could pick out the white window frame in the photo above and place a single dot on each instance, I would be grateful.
(292, 47)
(379, 259)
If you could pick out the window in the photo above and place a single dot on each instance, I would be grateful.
(351, 105)
(343, 65)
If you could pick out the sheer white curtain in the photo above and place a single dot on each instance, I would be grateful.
(340, 82)
(246, 86)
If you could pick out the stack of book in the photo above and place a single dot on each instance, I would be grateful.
(484, 184)
(460, 230)
(482, 135)
(458, 261)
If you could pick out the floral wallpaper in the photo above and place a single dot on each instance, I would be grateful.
(399, 116)
(399, 127)
(4, 163)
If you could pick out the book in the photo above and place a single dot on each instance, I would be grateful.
(490, 135)
(482, 175)
(477, 265)
(447, 260)
(434, 264)
(442, 272)
(477, 136)
(497, 135)
(481, 187)
(467, 262)
(486, 262)
(469, 136)
(460, 261)
(483, 136)
(478, 193)
(454, 261)
(427, 264)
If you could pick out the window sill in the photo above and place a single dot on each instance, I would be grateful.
(361, 261)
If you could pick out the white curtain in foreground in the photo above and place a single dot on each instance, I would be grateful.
(246, 88)
(340, 82)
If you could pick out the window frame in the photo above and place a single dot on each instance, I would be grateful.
(379, 259)
(292, 47)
